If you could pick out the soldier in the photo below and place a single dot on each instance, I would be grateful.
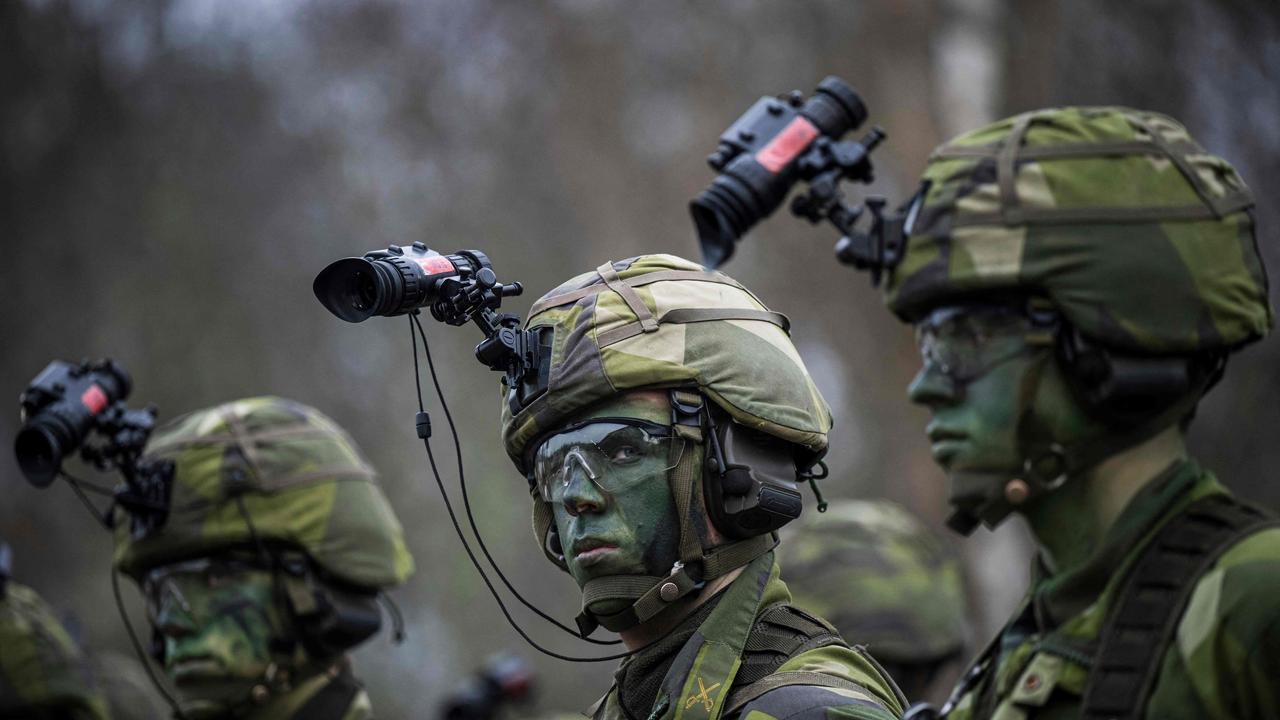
(662, 452)
(1077, 278)
(43, 673)
(880, 576)
(269, 565)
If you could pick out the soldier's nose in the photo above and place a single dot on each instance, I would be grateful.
(581, 493)
(173, 625)
(931, 387)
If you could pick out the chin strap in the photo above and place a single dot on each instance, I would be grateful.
(696, 566)
(1046, 464)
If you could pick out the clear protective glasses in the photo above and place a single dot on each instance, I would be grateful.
(203, 588)
(613, 453)
(966, 342)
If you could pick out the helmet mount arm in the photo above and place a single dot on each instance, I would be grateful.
(881, 246)
(521, 355)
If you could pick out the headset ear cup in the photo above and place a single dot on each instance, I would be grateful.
(713, 499)
(754, 492)
(1125, 390)
(342, 620)
(554, 548)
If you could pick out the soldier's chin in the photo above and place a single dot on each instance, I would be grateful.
(977, 495)
(612, 606)
(205, 697)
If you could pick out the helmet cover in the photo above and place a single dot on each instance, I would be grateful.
(302, 481)
(660, 321)
(1143, 240)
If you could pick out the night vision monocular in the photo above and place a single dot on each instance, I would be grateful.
(64, 407)
(457, 288)
(779, 142)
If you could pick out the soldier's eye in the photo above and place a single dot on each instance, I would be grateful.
(623, 454)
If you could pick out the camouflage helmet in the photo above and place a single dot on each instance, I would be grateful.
(879, 576)
(658, 321)
(43, 673)
(301, 480)
(1140, 238)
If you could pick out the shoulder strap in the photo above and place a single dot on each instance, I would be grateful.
(781, 632)
(809, 632)
(1152, 597)
(740, 697)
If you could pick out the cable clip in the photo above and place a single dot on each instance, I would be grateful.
(812, 478)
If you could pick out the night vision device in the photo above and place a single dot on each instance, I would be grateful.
(779, 142)
(457, 289)
(64, 407)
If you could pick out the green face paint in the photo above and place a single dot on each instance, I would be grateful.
(976, 360)
(613, 455)
(622, 521)
(217, 620)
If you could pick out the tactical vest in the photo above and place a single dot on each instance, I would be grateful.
(1144, 615)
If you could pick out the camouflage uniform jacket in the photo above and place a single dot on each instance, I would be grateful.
(706, 672)
(1222, 662)
(322, 698)
(43, 673)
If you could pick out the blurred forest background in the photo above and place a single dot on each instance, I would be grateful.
(173, 173)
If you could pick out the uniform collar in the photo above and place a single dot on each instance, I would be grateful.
(714, 638)
(1057, 598)
(639, 677)
(331, 695)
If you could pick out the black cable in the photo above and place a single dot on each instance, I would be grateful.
(397, 617)
(475, 562)
(93, 487)
(488, 583)
(93, 510)
(270, 563)
(266, 558)
(466, 498)
(137, 647)
(417, 374)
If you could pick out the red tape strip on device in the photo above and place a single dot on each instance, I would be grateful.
(782, 149)
(435, 265)
(94, 399)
